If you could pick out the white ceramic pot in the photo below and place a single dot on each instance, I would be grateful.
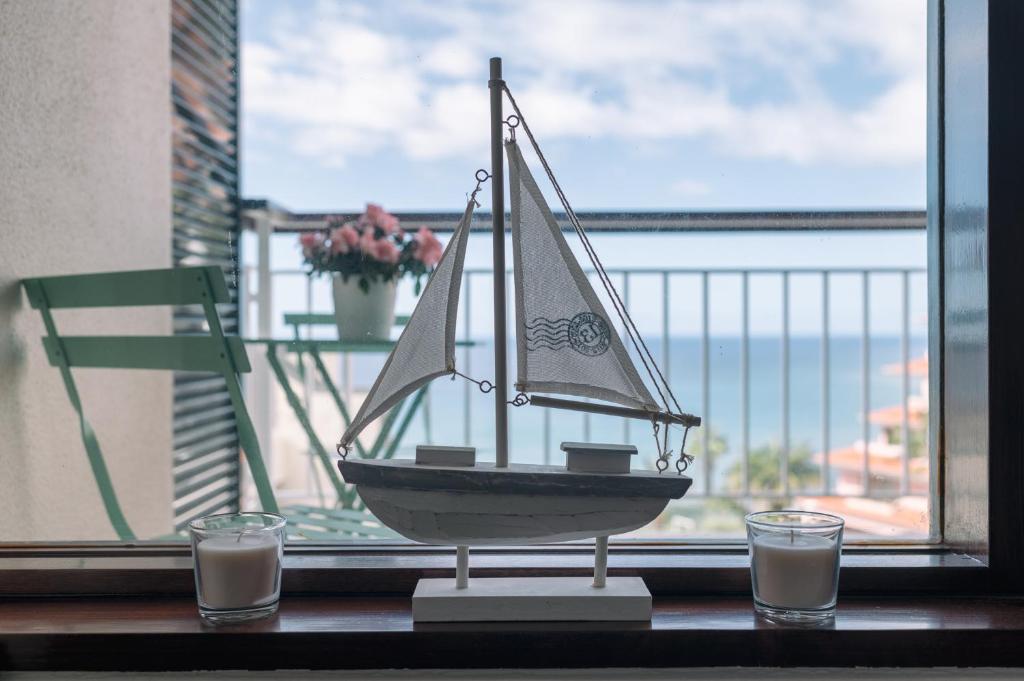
(364, 316)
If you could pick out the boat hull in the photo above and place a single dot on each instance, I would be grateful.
(524, 505)
(474, 519)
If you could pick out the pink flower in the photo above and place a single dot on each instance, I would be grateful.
(311, 242)
(428, 248)
(385, 251)
(339, 244)
(388, 222)
(367, 244)
(349, 234)
(380, 218)
(311, 239)
(373, 213)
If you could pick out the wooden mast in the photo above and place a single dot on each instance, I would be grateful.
(497, 85)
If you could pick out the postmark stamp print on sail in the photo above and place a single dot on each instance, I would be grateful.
(587, 333)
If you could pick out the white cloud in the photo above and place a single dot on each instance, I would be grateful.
(348, 81)
(689, 187)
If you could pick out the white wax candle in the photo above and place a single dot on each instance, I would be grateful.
(238, 572)
(794, 570)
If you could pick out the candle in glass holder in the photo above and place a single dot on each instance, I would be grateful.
(794, 571)
(238, 572)
(237, 565)
(794, 563)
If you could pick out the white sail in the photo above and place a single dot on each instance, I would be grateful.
(565, 340)
(426, 348)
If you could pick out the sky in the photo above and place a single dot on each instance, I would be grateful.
(639, 105)
(642, 105)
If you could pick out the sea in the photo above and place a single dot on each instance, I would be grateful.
(457, 413)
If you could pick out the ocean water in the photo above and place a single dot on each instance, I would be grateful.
(451, 418)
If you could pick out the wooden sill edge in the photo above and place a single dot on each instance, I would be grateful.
(378, 633)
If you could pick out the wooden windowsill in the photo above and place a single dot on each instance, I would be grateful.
(667, 570)
(378, 632)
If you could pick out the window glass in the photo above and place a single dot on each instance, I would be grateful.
(751, 174)
(812, 372)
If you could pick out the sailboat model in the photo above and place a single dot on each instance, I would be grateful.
(566, 345)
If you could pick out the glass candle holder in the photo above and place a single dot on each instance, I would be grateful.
(794, 564)
(237, 558)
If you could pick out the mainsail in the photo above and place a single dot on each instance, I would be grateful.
(565, 340)
(426, 348)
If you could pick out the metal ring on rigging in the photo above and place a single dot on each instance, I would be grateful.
(342, 450)
(512, 126)
(479, 183)
(520, 400)
(684, 460)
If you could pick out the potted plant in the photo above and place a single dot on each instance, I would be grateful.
(365, 258)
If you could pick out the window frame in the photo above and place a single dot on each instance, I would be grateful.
(976, 255)
(983, 554)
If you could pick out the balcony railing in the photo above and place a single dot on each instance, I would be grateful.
(900, 423)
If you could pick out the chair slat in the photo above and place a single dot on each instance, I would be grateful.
(174, 353)
(180, 286)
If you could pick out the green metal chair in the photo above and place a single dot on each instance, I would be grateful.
(215, 352)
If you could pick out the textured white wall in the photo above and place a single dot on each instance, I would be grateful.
(85, 186)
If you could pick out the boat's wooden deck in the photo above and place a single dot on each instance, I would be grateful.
(516, 479)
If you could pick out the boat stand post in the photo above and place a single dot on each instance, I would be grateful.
(461, 567)
(600, 562)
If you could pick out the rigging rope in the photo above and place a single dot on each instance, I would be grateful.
(484, 385)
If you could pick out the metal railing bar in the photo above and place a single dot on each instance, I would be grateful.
(467, 362)
(865, 378)
(682, 270)
(626, 423)
(784, 369)
(826, 472)
(547, 436)
(705, 380)
(905, 386)
(666, 351)
(428, 431)
(745, 380)
(511, 358)
(635, 222)
(725, 270)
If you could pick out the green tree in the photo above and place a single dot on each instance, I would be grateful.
(765, 472)
(721, 515)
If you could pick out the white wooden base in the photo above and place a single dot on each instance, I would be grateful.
(532, 599)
